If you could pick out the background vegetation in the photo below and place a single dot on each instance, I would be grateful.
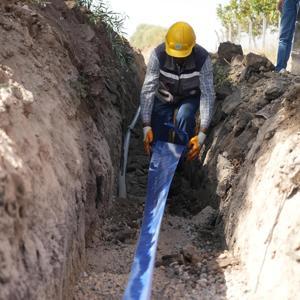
(100, 12)
(241, 11)
(148, 36)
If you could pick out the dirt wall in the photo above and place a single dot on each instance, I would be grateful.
(64, 103)
(254, 160)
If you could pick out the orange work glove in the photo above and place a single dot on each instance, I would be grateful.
(195, 145)
(148, 139)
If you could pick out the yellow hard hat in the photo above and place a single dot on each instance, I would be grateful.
(180, 40)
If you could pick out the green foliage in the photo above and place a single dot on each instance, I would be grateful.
(147, 36)
(241, 11)
(85, 3)
(113, 22)
(221, 75)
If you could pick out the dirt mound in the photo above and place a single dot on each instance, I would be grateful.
(250, 172)
(253, 158)
(228, 50)
(64, 102)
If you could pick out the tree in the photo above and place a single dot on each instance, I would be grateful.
(243, 11)
(147, 36)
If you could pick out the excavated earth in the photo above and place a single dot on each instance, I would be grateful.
(249, 168)
(232, 222)
(64, 102)
(191, 260)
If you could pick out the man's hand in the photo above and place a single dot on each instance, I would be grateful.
(148, 139)
(195, 145)
(280, 5)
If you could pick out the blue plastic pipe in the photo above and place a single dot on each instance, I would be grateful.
(163, 164)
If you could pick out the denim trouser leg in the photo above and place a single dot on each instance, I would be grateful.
(185, 118)
(287, 30)
(164, 113)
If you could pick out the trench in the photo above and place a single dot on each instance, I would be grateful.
(192, 261)
(231, 225)
(216, 218)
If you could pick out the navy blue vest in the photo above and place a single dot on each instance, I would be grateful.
(179, 82)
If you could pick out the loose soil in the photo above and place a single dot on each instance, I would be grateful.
(191, 262)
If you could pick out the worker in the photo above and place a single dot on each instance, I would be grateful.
(179, 78)
(289, 10)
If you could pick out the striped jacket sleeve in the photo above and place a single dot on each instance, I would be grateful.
(207, 99)
(149, 88)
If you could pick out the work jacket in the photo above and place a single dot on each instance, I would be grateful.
(176, 81)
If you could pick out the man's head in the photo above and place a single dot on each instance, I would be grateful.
(180, 40)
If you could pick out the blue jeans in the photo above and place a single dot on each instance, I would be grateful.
(287, 31)
(163, 112)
